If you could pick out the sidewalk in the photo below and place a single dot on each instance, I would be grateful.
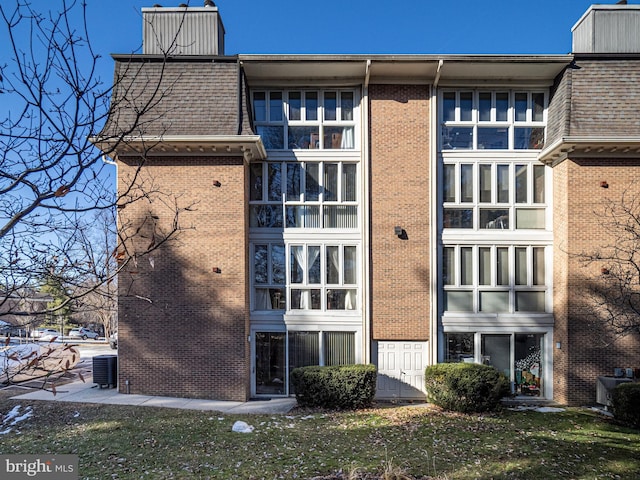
(91, 393)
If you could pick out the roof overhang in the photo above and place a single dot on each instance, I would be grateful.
(250, 147)
(301, 70)
(590, 147)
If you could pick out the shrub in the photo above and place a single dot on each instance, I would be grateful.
(465, 387)
(625, 403)
(339, 386)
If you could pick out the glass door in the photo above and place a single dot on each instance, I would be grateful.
(270, 368)
(496, 351)
(519, 357)
(528, 364)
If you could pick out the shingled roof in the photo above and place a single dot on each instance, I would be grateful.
(157, 97)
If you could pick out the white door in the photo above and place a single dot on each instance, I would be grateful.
(401, 370)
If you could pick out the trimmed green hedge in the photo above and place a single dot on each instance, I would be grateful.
(625, 403)
(465, 387)
(339, 386)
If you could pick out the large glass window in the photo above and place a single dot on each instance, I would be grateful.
(492, 120)
(339, 348)
(520, 356)
(459, 347)
(303, 195)
(506, 279)
(301, 119)
(323, 277)
(498, 195)
(305, 348)
(269, 275)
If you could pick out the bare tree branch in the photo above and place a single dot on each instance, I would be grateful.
(53, 179)
(615, 294)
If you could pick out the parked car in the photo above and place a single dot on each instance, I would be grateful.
(45, 334)
(83, 333)
(113, 340)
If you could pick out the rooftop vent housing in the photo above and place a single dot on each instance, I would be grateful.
(182, 31)
(608, 29)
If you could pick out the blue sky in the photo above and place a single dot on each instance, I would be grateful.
(364, 26)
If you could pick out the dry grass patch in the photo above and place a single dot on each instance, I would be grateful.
(395, 443)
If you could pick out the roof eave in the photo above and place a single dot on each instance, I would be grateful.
(250, 147)
(590, 146)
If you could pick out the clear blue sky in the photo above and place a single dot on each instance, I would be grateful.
(364, 26)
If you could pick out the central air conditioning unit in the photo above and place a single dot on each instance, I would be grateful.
(604, 388)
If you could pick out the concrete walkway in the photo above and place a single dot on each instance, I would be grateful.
(91, 393)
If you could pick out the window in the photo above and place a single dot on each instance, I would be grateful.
(506, 279)
(499, 195)
(339, 348)
(459, 347)
(305, 348)
(323, 277)
(520, 356)
(269, 276)
(315, 195)
(301, 119)
(492, 120)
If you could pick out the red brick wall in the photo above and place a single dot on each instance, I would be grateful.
(399, 116)
(183, 328)
(560, 283)
(588, 349)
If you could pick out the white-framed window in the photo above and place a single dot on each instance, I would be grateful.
(323, 276)
(315, 277)
(306, 119)
(521, 356)
(277, 353)
(321, 348)
(309, 194)
(269, 275)
(495, 278)
(492, 119)
(498, 195)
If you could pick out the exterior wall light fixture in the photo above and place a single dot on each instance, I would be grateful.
(216, 270)
(400, 232)
(604, 184)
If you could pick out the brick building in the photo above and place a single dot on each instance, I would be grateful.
(395, 210)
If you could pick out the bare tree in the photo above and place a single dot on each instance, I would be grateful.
(97, 241)
(52, 104)
(615, 294)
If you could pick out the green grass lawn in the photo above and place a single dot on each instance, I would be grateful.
(124, 442)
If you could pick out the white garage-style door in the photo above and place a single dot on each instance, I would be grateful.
(401, 370)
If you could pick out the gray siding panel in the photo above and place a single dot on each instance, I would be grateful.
(193, 31)
(608, 31)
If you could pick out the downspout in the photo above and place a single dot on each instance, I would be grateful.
(240, 96)
(434, 297)
(366, 204)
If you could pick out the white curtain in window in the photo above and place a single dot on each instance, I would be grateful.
(263, 299)
(299, 253)
(299, 216)
(333, 256)
(305, 295)
(348, 141)
(350, 300)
